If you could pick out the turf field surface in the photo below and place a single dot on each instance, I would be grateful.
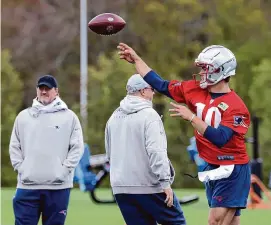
(82, 211)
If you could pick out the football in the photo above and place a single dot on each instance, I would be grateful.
(106, 24)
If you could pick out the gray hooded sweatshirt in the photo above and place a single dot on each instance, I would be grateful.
(136, 147)
(46, 145)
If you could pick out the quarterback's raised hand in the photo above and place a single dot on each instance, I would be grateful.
(127, 53)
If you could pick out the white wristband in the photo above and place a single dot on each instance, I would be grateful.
(193, 116)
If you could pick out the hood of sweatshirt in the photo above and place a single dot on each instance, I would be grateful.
(55, 106)
(131, 104)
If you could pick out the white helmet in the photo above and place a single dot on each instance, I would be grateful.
(217, 63)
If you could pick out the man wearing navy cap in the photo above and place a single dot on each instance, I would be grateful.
(45, 147)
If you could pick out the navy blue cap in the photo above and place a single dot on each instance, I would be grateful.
(48, 81)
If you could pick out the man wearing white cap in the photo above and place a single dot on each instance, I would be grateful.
(140, 171)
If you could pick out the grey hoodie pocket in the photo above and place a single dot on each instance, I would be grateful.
(42, 170)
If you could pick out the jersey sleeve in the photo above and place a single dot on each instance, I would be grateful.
(180, 90)
(237, 120)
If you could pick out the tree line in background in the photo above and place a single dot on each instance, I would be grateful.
(42, 37)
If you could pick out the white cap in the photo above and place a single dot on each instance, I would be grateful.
(136, 83)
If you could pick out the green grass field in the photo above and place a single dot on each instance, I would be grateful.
(82, 211)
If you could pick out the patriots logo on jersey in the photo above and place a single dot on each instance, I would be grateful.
(239, 121)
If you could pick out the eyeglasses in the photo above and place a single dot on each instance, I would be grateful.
(150, 88)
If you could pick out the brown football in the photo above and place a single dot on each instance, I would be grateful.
(106, 24)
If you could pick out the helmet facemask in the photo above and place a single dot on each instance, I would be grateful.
(209, 75)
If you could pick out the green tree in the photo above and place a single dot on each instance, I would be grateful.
(11, 102)
(243, 27)
(180, 29)
(167, 34)
(260, 93)
(107, 86)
